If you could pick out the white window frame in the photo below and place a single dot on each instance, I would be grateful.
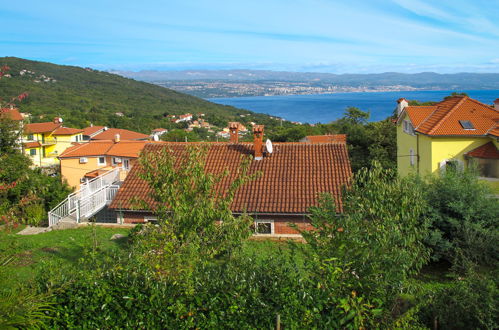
(114, 162)
(99, 162)
(83, 160)
(272, 228)
(127, 162)
(149, 218)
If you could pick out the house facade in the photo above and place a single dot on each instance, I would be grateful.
(84, 161)
(44, 142)
(457, 132)
(293, 177)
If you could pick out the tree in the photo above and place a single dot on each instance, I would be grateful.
(376, 244)
(194, 216)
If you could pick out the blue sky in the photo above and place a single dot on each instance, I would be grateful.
(353, 36)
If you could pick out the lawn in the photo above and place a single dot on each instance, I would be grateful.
(24, 257)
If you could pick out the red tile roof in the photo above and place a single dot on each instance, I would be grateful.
(12, 113)
(488, 150)
(92, 129)
(41, 127)
(341, 138)
(125, 134)
(443, 118)
(35, 144)
(293, 176)
(66, 131)
(130, 149)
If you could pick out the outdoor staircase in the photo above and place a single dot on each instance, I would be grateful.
(92, 197)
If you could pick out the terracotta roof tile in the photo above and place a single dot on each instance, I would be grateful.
(293, 176)
(443, 119)
(341, 138)
(66, 131)
(488, 150)
(125, 134)
(35, 144)
(41, 127)
(92, 129)
(130, 149)
(12, 113)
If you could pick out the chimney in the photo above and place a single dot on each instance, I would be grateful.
(258, 141)
(496, 104)
(401, 104)
(234, 132)
(116, 138)
(57, 120)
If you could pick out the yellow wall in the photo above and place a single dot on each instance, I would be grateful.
(443, 148)
(54, 145)
(405, 142)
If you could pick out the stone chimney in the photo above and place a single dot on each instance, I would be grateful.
(496, 104)
(234, 132)
(401, 104)
(258, 141)
(116, 138)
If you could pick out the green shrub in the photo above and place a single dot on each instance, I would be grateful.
(470, 302)
(464, 219)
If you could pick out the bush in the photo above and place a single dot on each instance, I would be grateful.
(464, 219)
(471, 302)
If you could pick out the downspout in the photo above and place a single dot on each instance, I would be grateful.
(417, 153)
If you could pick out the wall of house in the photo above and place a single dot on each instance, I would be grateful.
(280, 222)
(454, 148)
(73, 171)
(65, 141)
(405, 142)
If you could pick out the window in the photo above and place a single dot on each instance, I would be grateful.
(101, 161)
(83, 160)
(32, 152)
(466, 124)
(116, 160)
(408, 128)
(150, 218)
(126, 164)
(264, 227)
(411, 157)
(30, 137)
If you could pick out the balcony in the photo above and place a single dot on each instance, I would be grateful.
(49, 141)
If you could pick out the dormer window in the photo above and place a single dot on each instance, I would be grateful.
(466, 124)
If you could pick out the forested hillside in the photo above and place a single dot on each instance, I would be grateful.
(83, 96)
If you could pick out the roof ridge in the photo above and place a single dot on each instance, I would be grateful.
(437, 125)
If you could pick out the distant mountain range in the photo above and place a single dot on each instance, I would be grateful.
(229, 83)
(418, 80)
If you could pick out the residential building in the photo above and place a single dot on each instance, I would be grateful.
(84, 161)
(293, 177)
(110, 133)
(91, 131)
(44, 142)
(182, 118)
(157, 132)
(457, 132)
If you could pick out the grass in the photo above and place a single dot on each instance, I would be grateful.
(25, 256)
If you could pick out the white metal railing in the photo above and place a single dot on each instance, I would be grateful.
(91, 198)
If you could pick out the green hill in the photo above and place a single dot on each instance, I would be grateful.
(82, 96)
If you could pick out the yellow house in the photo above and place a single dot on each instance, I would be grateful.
(455, 132)
(43, 142)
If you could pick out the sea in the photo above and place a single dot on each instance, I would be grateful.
(324, 108)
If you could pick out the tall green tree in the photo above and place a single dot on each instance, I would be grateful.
(194, 216)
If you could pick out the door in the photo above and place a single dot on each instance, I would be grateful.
(126, 164)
